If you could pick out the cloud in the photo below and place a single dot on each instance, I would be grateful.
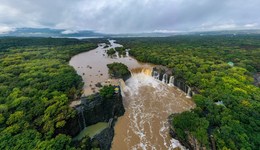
(166, 31)
(119, 16)
(69, 32)
(251, 25)
(6, 29)
(215, 27)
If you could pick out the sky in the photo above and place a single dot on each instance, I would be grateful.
(130, 16)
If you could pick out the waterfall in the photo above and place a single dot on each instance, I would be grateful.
(110, 122)
(146, 71)
(143, 122)
(189, 92)
(122, 86)
(171, 82)
(79, 122)
(82, 115)
(193, 93)
(127, 52)
(80, 110)
(117, 55)
(178, 84)
(165, 78)
(156, 75)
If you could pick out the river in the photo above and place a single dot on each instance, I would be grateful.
(148, 102)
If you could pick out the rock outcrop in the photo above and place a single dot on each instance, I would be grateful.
(190, 142)
(99, 109)
(71, 127)
(105, 138)
(164, 74)
(94, 109)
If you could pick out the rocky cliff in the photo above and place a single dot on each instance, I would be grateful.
(99, 109)
(190, 142)
(94, 109)
(165, 74)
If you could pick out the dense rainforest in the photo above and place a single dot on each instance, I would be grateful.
(36, 86)
(219, 69)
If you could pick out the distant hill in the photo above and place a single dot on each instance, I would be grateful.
(47, 32)
(228, 32)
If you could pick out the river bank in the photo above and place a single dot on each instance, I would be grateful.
(148, 101)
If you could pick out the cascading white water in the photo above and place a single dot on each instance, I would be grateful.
(117, 55)
(189, 92)
(165, 78)
(148, 103)
(83, 116)
(171, 82)
(193, 93)
(110, 122)
(127, 52)
(156, 75)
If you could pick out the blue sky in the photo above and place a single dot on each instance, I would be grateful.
(130, 16)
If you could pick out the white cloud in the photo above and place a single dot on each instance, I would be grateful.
(130, 15)
(6, 29)
(69, 32)
(166, 31)
(226, 26)
(223, 26)
(251, 25)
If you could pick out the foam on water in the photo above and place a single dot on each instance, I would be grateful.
(148, 103)
(140, 79)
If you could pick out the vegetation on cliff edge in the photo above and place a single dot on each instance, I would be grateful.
(202, 61)
(37, 84)
(118, 70)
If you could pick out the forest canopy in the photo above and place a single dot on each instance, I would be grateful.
(220, 69)
(118, 70)
(37, 84)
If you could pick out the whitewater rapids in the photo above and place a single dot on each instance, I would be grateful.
(148, 103)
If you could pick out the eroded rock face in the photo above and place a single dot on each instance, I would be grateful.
(162, 70)
(71, 127)
(95, 109)
(101, 110)
(190, 142)
(194, 143)
(165, 75)
(105, 138)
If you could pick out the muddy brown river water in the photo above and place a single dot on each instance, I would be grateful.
(148, 102)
